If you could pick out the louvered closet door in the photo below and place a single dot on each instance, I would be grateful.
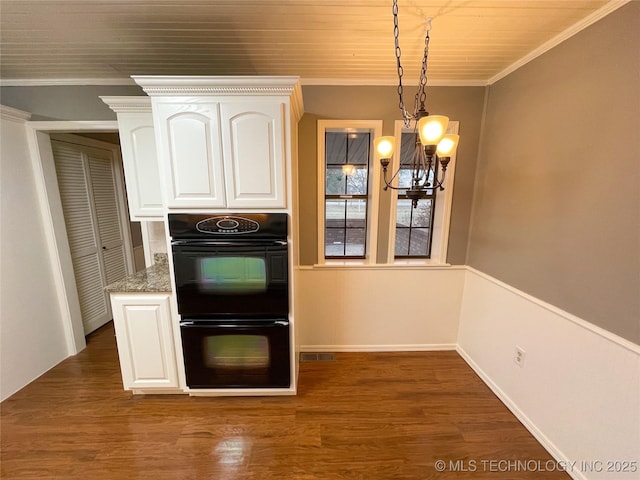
(107, 215)
(88, 195)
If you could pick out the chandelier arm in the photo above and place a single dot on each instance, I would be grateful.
(439, 183)
(388, 182)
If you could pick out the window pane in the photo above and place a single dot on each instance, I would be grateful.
(422, 214)
(334, 242)
(358, 148)
(355, 241)
(419, 242)
(407, 148)
(403, 214)
(404, 178)
(335, 181)
(334, 232)
(335, 213)
(356, 213)
(357, 182)
(335, 147)
(402, 242)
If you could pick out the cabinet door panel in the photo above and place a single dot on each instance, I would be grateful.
(145, 341)
(252, 139)
(140, 160)
(191, 154)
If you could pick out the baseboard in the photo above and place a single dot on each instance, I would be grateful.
(379, 348)
(553, 450)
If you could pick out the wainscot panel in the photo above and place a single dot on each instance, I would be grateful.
(383, 308)
(578, 389)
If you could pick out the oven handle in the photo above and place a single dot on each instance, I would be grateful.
(221, 243)
(230, 324)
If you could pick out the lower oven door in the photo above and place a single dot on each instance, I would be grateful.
(236, 353)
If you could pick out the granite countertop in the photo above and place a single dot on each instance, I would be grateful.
(152, 279)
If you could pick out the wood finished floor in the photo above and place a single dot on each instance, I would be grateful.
(372, 416)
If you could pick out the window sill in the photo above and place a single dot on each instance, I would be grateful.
(422, 264)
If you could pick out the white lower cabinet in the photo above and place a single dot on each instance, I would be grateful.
(145, 341)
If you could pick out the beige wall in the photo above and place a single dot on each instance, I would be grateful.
(557, 203)
(463, 104)
(66, 102)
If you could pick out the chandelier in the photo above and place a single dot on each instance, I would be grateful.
(433, 146)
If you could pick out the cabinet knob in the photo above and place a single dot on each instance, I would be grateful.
(104, 248)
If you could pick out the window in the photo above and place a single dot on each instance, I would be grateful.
(347, 203)
(421, 232)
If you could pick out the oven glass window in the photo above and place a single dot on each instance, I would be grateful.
(236, 351)
(233, 275)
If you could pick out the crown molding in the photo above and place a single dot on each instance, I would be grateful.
(216, 85)
(13, 114)
(389, 82)
(52, 82)
(297, 102)
(561, 37)
(140, 104)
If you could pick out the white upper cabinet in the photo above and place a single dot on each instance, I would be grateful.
(188, 139)
(224, 142)
(139, 156)
(253, 143)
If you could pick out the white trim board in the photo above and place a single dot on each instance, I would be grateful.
(61, 126)
(53, 219)
(479, 82)
(13, 114)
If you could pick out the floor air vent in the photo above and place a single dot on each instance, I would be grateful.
(317, 357)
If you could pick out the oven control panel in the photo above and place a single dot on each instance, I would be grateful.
(246, 226)
(228, 225)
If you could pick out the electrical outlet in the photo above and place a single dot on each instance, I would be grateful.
(518, 356)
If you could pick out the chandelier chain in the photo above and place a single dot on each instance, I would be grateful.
(406, 116)
(421, 94)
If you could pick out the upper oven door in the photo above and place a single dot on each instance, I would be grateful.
(218, 279)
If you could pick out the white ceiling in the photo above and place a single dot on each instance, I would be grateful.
(322, 41)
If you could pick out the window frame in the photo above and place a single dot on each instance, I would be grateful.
(442, 211)
(374, 127)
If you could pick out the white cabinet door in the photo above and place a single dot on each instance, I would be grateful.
(188, 139)
(142, 177)
(253, 147)
(145, 341)
(139, 156)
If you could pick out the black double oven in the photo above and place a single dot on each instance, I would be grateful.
(232, 287)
